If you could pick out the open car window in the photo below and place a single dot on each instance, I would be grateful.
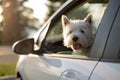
(54, 39)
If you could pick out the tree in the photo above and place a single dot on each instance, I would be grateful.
(0, 22)
(16, 18)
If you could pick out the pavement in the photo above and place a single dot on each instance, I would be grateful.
(7, 56)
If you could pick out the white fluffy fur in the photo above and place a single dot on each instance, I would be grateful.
(82, 29)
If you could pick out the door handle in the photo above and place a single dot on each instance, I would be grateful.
(72, 75)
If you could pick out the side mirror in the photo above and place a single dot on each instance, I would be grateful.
(23, 46)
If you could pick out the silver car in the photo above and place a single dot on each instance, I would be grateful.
(44, 57)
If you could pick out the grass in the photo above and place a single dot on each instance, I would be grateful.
(7, 69)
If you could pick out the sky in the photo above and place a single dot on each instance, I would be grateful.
(38, 7)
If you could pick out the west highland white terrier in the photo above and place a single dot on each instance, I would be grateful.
(77, 34)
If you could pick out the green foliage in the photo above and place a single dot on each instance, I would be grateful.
(7, 69)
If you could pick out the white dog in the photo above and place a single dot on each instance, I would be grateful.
(77, 34)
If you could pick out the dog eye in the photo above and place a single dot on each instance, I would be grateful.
(81, 31)
(70, 32)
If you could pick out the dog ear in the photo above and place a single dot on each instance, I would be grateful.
(65, 20)
(88, 19)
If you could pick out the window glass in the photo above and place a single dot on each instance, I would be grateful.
(54, 40)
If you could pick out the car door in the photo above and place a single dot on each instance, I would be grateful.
(57, 62)
(109, 66)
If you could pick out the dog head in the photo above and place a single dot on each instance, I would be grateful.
(77, 34)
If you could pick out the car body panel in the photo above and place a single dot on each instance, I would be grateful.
(106, 71)
(53, 68)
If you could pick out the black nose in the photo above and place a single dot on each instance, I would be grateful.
(75, 39)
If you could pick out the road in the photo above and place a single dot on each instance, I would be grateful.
(7, 56)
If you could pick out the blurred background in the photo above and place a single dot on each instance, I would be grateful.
(21, 19)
